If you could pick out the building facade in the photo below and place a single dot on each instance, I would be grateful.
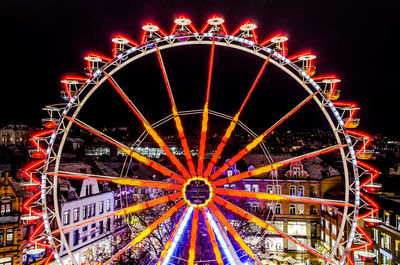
(14, 135)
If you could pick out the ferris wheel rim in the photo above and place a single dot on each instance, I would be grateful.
(161, 47)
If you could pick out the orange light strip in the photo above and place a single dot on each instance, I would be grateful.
(231, 230)
(319, 78)
(232, 125)
(177, 119)
(204, 124)
(268, 168)
(157, 222)
(148, 204)
(130, 152)
(258, 140)
(264, 225)
(213, 240)
(276, 197)
(149, 128)
(169, 242)
(193, 237)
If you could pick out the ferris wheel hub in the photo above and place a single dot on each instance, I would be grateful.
(197, 192)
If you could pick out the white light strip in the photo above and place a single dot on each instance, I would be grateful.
(220, 238)
(178, 236)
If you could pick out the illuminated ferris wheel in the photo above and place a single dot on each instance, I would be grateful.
(195, 189)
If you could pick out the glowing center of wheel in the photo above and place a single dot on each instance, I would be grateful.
(197, 192)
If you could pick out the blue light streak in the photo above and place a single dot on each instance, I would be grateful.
(220, 238)
(177, 236)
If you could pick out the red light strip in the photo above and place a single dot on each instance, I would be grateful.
(204, 124)
(267, 41)
(177, 119)
(295, 57)
(213, 240)
(49, 258)
(102, 57)
(319, 78)
(232, 125)
(134, 43)
(268, 168)
(149, 128)
(163, 170)
(258, 140)
(174, 28)
(143, 38)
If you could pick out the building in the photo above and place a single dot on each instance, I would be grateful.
(301, 220)
(386, 235)
(15, 135)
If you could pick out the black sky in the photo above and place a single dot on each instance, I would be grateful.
(44, 40)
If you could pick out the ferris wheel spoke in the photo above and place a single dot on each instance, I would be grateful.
(175, 114)
(232, 231)
(213, 240)
(259, 139)
(193, 237)
(268, 168)
(204, 123)
(147, 161)
(278, 197)
(267, 226)
(171, 239)
(150, 130)
(232, 125)
(148, 230)
(118, 180)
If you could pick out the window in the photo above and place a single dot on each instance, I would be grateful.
(278, 189)
(397, 247)
(101, 207)
(1, 237)
(292, 209)
(313, 209)
(76, 238)
(386, 260)
(270, 189)
(273, 243)
(398, 222)
(322, 235)
(108, 205)
(375, 236)
(292, 190)
(334, 229)
(101, 228)
(10, 237)
(385, 241)
(300, 191)
(247, 187)
(93, 206)
(142, 191)
(327, 225)
(84, 212)
(5, 206)
(67, 237)
(67, 217)
(256, 188)
(300, 209)
(6, 261)
(93, 231)
(376, 255)
(108, 225)
(386, 218)
(76, 214)
(278, 208)
(297, 228)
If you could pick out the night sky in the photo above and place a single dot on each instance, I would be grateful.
(44, 40)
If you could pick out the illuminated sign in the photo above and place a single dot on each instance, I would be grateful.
(197, 192)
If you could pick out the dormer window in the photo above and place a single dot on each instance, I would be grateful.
(5, 206)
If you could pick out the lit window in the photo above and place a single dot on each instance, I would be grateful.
(292, 209)
(247, 187)
(292, 190)
(75, 239)
(386, 218)
(10, 237)
(334, 229)
(375, 235)
(93, 209)
(300, 191)
(84, 212)
(101, 207)
(255, 188)
(398, 222)
(67, 217)
(385, 241)
(270, 189)
(76, 214)
(297, 228)
(108, 205)
(278, 189)
(300, 209)
(326, 225)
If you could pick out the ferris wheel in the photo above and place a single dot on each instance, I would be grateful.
(196, 189)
